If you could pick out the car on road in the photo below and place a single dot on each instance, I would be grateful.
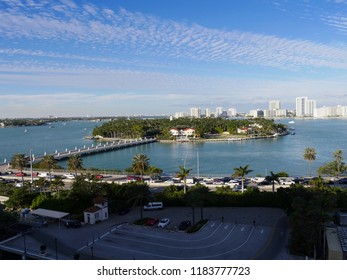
(264, 183)
(151, 221)
(20, 174)
(69, 176)
(184, 225)
(73, 224)
(163, 222)
(99, 176)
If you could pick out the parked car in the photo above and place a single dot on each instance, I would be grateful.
(184, 225)
(264, 183)
(152, 221)
(153, 206)
(73, 224)
(342, 181)
(69, 176)
(163, 222)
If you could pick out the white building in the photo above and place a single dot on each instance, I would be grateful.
(274, 105)
(256, 113)
(231, 112)
(219, 111)
(275, 113)
(180, 115)
(98, 212)
(305, 107)
(330, 111)
(208, 113)
(195, 112)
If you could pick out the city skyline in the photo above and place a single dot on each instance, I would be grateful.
(79, 58)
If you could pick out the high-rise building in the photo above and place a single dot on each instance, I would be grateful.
(274, 105)
(305, 107)
(195, 112)
(300, 106)
(231, 112)
(219, 111)
(207, 113)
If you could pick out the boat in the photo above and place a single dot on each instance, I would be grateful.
(25, 130)
(291, 122)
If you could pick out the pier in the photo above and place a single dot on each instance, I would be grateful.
(99, 148)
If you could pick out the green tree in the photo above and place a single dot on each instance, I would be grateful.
(75, 163)
(183, 174)
(338, 155)
(242, 172)
(140, 164)
(197, 196)
(48, 162)
(138, 194)
(310, 155)
(273, 178)
(19, 161)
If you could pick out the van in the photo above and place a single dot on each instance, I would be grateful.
(153, 206)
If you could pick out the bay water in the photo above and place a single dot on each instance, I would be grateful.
(283, 153)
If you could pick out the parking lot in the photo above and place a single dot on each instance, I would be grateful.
(231, 233)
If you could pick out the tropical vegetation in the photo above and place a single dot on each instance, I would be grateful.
(204, 128)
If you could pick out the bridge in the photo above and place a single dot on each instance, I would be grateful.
(99, 148)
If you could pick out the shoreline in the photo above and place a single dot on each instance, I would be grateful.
(194, 140)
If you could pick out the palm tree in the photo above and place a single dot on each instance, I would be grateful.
(19, 161)
(183, 174)
(242, 171)
(310, 155)
(75, 163)
(338, 155)
(57, 184)
(48, 162)
(273, 177)
(140, 164)
(138, 194)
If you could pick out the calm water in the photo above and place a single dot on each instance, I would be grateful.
(265, 155)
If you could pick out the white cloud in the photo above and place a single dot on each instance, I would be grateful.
(137, 34)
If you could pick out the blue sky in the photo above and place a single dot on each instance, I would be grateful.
(127, 57)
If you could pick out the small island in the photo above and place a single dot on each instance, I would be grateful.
(189, 129)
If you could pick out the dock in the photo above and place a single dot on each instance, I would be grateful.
(99, 148)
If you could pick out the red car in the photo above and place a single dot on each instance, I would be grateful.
(20, 174)
(152, 221)
(99, 176)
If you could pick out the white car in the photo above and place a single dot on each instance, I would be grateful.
(69, 176)
(163, 222)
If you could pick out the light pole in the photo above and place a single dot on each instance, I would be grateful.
(31, 166)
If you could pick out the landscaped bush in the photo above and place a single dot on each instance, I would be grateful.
(197, 226)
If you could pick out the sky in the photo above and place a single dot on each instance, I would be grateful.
(71, 58)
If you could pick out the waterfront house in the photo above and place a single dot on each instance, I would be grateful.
(98, 212)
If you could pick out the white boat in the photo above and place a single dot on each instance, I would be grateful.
(291, 122)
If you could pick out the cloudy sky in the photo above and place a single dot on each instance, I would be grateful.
(153, 57)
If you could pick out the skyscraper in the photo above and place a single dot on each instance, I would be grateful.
(274, 105)
(195, 112)
(305, 107)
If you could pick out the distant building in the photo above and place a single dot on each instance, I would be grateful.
(331, 111)
(256, 113)
(278, 113)
(274, 105)
(232, 112)
(305, 107)
(219, 111)
(180, 115)
(195, 112)
(208, 113)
